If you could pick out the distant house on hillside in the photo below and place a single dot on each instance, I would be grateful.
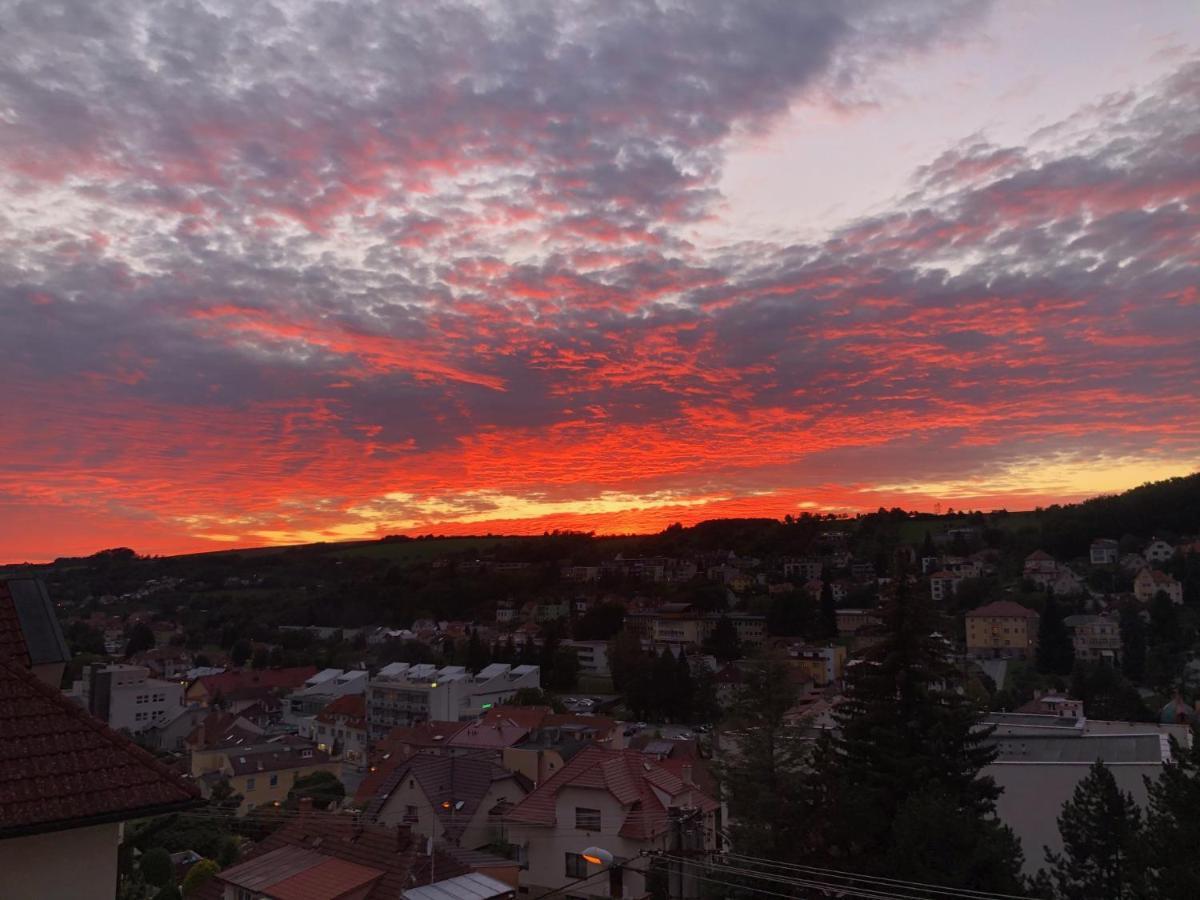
(1150, 582)
(1104, 552)
(1002, 629)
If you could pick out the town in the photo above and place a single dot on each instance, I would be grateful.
(513, 717)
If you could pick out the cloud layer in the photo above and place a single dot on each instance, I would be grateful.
(306, 270)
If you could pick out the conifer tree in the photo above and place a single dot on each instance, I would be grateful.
(762, 778)
(1172, 832)
(1133, 643)
(1100, 828)
(908, 755)
(827, 626)
(1055, 653)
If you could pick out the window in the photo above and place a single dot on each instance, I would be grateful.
(249, 784)
(274, 780)
(587, 819)
(410, 814)
(576, 866)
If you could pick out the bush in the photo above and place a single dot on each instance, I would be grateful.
(198, 874)
(156, 867)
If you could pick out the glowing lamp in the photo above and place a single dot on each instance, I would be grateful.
(597, 856)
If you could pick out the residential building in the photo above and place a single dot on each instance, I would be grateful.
(301, 706)
(1002, 629)
(621, 799)
(127, 698)
(239, 688)
(457, 800)
(341, 729)
(403, 694)
(592, 656)
(1040, 564)
(943, 584)
(67, 782)
(818, 665)
(1158, 551)
(803, 570)
(324, 856)
(264, 773)
(1066, 583)
(1149, 582)
(850, 621)
(1095, 637)
(1104, 552)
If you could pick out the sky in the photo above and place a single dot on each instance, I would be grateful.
(278, 272)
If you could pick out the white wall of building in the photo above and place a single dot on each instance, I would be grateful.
(79, 863)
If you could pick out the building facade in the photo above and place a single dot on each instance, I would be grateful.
(1002, 629)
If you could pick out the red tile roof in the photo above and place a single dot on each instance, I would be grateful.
(352, 706)
(529, 716)
(449, 780)
(1004, 609)
(248, 680)
(635, 781)
(12, 640)
(294, 873)
(394, 851)
(61, 768)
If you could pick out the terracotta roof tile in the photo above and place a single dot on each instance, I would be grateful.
(635, 781)
(394, 851)
(1004, 608)
(59, 767)
(12, 640)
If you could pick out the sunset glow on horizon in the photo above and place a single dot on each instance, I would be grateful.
(283, 273)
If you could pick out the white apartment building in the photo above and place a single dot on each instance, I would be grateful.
(302, 705)
(592, 656)
(404, 694)
(126, 697)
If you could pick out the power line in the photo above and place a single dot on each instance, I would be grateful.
(899, 882)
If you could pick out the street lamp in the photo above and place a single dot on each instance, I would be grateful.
(598, 856)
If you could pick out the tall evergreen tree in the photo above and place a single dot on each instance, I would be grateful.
(827, 626)
(685, 689)
(763, 781)
(1172, 832)
(908, 753)
(723, 643)
(1100, 828)
(1133, 643)
(1055, 653)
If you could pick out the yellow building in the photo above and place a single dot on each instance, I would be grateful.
(1002, 629)
(264, 774)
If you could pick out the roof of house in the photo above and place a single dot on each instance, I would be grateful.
(29, 629)
(274, 758)
(445, 779)
(393, 851)
(1004, 609)
(630, 777)
(1039, 556)
(471, 886)
(494, 735)
(61, 768)
(243, 680)
(352, 706)
(529, 716)
(295, 873)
